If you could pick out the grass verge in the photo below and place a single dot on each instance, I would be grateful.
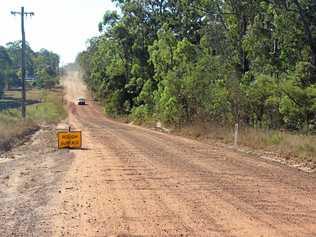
(290, 146)
(44, 107)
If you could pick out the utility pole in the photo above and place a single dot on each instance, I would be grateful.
(22, 13)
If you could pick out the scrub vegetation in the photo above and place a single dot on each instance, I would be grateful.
(219, 62)
(44, 100)
(44, 107)
(292, 146)
(42, 68)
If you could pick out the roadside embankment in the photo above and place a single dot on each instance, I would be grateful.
(43, 107)
(290, 148)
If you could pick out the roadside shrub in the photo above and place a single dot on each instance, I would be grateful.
(115, 104)
(141, 114)
(274, 139)
(1, 86)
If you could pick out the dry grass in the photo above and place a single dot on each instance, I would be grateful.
(31, 94)
(13, 130)
(289, 145)
(47, 108)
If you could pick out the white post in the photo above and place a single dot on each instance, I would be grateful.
(236, 135)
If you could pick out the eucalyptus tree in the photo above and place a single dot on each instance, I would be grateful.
(249, 61)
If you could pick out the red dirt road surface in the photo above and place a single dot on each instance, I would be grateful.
(131, 181)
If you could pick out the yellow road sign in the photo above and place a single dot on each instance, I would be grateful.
(71, 140)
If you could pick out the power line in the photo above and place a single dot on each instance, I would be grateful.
(22, 13)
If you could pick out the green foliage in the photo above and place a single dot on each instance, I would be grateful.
(252, 62)
(5, 64)
(274, 139)
(42, 65)
(1, 86)
(115, 104)
(46, 69)
(50, 110)
(141, 113)
(299, 103)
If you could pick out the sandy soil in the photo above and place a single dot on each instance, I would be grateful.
(130, 181)
(30, 177)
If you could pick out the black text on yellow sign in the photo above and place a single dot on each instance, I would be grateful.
(71, 140)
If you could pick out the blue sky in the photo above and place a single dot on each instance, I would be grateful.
(62, 26)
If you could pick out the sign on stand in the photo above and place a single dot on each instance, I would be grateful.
(69, 139)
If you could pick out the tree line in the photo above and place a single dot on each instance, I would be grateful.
(41, 66)
(247, 61)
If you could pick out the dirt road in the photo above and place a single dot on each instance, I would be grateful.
(130, 181)
(30, 178)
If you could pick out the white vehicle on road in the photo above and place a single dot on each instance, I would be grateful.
(81, 101)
